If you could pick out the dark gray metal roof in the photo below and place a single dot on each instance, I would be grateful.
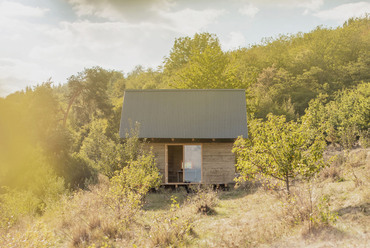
(204, 114)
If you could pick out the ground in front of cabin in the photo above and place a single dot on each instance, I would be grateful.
(331, 211)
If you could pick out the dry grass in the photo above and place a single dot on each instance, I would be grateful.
(250, 216)
(241, 220)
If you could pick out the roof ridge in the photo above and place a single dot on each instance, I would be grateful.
(156, 90)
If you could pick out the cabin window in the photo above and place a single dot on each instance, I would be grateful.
(192, 163)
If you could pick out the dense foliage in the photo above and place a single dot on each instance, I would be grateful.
(279, 75)
(279, 149)
(343, 119)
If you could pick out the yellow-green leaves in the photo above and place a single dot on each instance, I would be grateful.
(342, 119)
(131, 184)
(199, 63)
(279, 149)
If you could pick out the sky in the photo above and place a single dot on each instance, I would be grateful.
(43, 39)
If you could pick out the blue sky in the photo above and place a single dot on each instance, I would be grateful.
(42, 39)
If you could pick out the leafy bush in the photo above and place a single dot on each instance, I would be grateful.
(282, 150)
(309, 206)
(101, 153)
(129, 186)
(365, 138)
(15, 204)
(324, 215)
(40, 190)
(343, 119)
(76, 171)
(106, 155)
(172, 228)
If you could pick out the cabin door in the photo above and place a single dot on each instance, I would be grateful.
(175, 160)
(184, 163)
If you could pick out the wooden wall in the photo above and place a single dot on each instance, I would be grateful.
(218, 161)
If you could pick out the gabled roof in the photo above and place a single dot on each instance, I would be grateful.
(200, 114)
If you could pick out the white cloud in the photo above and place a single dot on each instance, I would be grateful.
(159, 12)
(120, 34)
(189, 21)
(31, 52)
(63, 50)
(234, 40)
(307, 5)
(11, 84)
(18, 35)
(249, 10)
(112, 45)
(345, 11)
(311, 4)
(15, 74)
(14, 9)
(121, 10)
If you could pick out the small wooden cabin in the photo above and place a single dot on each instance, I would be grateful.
(191, 132)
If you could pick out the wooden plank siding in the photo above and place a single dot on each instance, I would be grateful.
(218, 161)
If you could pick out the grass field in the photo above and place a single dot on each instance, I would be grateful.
(331, 211)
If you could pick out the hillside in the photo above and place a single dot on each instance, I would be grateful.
(68, 179)
(249, 216)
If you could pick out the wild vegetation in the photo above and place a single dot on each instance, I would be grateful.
(67, 179)
(283, 151)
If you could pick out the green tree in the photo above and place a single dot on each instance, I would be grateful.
(185, 47)
(344, 118)
(141, 78)
(199, 63)
(31, 139)
(106, 155)
(88, 95)
(279, 149)
(322, 61)
(133, 180)
(101, 152)
(29, 125)
(271, 93)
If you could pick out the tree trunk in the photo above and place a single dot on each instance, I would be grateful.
(75, 95)
(287, 184)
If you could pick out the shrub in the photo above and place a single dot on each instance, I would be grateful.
(107, 156)
(173, 227)
(332, 172)
(43, 193)
(15, 204)
(324, 215)
(101, 153)
(204, 200)
(129, 186)
(282, 150)
(307, 206)
(365, 138)
(343, 119)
